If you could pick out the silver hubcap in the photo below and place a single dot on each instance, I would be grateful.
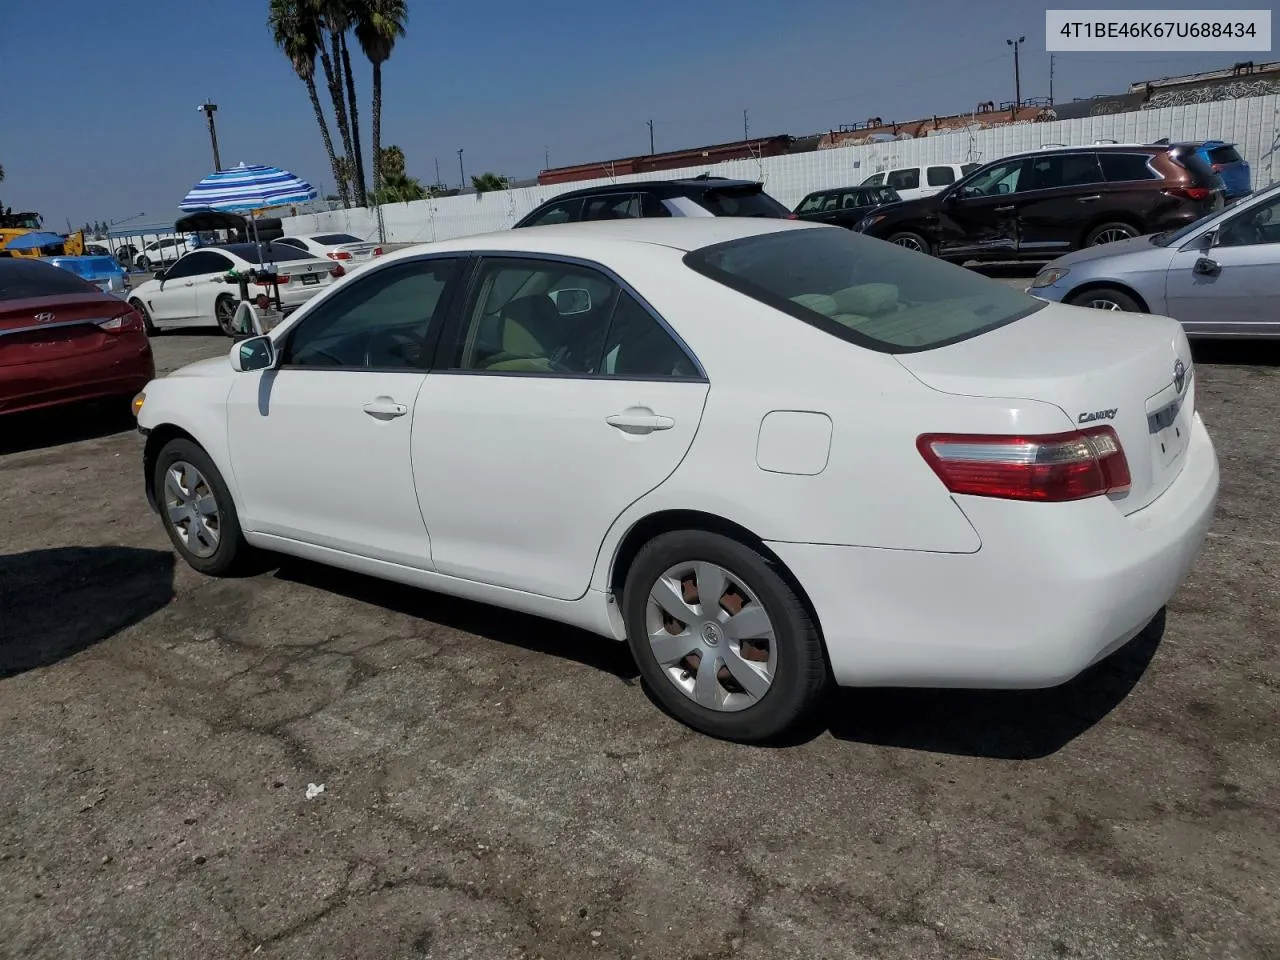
(1103, 305)
(711, 636)
(192, 508)
(1112, 235)
(911, 243)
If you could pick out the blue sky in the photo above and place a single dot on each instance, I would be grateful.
(111, 128)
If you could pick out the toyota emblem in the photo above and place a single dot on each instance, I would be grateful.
(44, 318)
(1179, 375)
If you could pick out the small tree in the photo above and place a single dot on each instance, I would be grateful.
(488, 182)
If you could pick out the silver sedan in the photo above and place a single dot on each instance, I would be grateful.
(1219, 276)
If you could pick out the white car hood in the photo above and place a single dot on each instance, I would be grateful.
(219, 367)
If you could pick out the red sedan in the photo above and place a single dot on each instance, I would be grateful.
(62, 340)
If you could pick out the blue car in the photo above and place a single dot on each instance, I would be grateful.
(1228, 164)
(103, 272)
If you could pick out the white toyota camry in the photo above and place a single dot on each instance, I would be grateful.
(768, 455)
(195, 291)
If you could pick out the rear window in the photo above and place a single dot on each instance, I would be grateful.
(1126, 166)
(90, 266)
(1224, 154)
(742, 202)
(330, 239)
(272, 252)
(20, 279)
(866, 291)
(1199, 167)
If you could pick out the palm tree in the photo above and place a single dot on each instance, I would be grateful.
(379, 24)
(399, 187)
(390, 161)
(362, 200)
(488, 182)
(328, 16)
(298, 34)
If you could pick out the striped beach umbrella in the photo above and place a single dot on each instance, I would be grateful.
(248, 187)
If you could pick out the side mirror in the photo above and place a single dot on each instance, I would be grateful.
(572, 301)
(1204, 267)
(256, 353)
(158, 275)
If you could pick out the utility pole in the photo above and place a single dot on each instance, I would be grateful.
(546, 158)
(1017, 73)
(1051, 79)
(650, 138)
(746, 130)
(438, 171)
(209, 110)
(461, 172)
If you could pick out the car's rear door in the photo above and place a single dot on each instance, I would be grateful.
(557, 400)
(1061, 196)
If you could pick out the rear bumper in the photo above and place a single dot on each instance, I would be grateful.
(120, 371)
(1054, 588)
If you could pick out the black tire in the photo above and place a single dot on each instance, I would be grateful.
(143, 263)
(224, 311)
(141, 307)
(911, 241)
(232, 552)
(800, 675)
(1109, 231)
(1099, 297)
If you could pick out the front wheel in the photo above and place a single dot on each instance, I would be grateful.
(197, 509)
(721, 639)
(910, 240)
(147, 322)
(1105, 298)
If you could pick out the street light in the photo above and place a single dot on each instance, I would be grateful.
(209, 109)
(1017, 74)
(461, 172)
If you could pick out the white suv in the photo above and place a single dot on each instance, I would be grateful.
(160, 253)
(912, 183)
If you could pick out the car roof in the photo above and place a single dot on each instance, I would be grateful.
(585, 240)
(662, 187)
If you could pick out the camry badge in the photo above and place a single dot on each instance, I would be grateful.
(1179, 375)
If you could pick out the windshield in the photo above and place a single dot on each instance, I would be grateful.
(862, 290)
(1170, 237)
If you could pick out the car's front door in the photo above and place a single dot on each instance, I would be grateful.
(1235, 289)
(211, 283)
(320, 444)
(1060, 196)
(979, 216)
(175, 301)
(559, 400)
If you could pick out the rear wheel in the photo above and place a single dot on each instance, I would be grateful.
(910, 240)
(1110, 233)
(197, 509)
(1105, 298)
(224, 310)
(721, 638)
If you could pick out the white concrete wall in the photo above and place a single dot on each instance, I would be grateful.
(1253, 124)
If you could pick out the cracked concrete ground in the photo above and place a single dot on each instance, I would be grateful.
(500, 787)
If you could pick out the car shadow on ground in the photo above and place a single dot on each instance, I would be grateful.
(492, 623)
(57, 426)
(55, 603)
(998, 724)
(1007, 271)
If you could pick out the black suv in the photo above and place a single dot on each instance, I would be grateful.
(1037, 206)
(845, 207)
(703, 196)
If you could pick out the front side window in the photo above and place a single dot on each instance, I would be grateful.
(197, 264)
(812, 203)
(1257, 225)
(908, 179)
(863, 290)
(379, 321)
(940, 176)
(549, 317)
(875, 180)
(996, 180)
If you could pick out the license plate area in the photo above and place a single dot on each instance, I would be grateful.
(310, 279)
(1170, 433)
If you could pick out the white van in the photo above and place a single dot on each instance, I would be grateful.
(912, 183)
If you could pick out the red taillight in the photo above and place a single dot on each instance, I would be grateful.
(1190, 193)
(266, 281)
(1217, 167)
(377, 251)
(1047, 468)
(337, 271)
(339, 255)
(793, 216)
(128, 321)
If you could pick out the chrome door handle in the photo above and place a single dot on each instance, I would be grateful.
(384, 408)
(1096, 196)
(639, 420)
(1004, 209)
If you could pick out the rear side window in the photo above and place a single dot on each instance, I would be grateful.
(614, 206)
(742, 202)
(566, 211)
(905, 179)
(1126, 166)
(20, 279)
(940, 176)
(1224, 154)
(865, 291)
(813, 203)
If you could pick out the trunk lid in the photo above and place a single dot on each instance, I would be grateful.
(1131, 372)
(359, 251)
(40, 329)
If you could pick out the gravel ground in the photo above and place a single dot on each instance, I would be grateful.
(500, 787)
